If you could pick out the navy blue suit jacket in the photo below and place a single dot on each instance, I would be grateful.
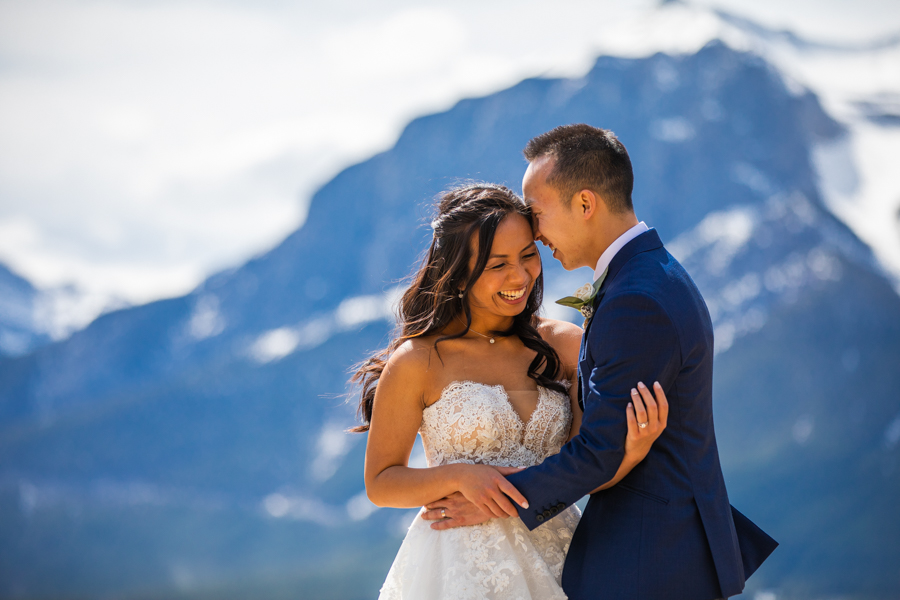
(666, 531)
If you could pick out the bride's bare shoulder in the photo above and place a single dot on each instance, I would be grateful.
(551, 329)
(565, 337)
(412, 359)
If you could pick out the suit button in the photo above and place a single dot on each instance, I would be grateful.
(547, 514)
(540, 518)
(561, 506)
(554, 510)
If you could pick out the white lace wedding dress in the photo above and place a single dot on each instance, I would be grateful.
(499, 559)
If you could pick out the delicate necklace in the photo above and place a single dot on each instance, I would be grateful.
(488, 337)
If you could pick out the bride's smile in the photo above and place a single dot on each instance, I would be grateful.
(513, 296)
(508, 278)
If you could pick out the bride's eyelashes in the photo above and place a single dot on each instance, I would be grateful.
(497, 267)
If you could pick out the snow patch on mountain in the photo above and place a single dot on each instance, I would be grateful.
(788, 228)
(351, 313)
(858, 180)
(858, 85)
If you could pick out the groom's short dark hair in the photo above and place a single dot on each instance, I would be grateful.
(586, 158)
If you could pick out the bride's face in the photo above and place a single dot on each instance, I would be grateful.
(511, 270)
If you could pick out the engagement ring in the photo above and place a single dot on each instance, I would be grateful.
(443, 513)
(642, 425)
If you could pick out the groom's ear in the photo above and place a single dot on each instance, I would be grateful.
(587, 203)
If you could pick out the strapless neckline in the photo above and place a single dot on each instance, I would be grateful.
(456, 383)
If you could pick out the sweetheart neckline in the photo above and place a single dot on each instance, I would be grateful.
(541, 390)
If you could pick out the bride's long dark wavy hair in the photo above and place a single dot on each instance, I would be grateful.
(432, 300)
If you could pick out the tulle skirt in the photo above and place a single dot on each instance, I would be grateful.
(497, 560)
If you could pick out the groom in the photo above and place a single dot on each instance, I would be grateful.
(666, 531)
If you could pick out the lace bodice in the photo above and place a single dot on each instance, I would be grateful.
(475, 423)
(499, 559)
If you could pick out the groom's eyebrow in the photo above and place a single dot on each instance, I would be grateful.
(528, 247)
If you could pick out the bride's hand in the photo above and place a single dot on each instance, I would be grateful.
(645, 409)
(487, 489)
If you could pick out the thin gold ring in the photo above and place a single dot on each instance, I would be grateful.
(443, 513)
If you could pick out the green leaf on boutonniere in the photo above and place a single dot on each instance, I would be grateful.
(584, 296)
(571, 301)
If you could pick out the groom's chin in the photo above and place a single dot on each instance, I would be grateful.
(567, 265)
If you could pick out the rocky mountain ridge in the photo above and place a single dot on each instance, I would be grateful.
(194, 446)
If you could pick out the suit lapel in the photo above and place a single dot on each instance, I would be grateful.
(649, 240)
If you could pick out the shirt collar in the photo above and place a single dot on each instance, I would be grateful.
(614, 248)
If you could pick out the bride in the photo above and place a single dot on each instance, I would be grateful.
(486, 382)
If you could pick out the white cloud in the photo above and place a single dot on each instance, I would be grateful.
(145, 145)
(359, 507)
(333, 444)
(275, 344)
(206, 319)
(673, 130)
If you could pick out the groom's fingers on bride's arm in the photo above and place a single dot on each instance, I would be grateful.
(663, 403)
(650, 403)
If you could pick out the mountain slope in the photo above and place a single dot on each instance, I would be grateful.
(18, 331)
(193, 446)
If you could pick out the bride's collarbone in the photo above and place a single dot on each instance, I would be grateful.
(467, 361)
(471, 354)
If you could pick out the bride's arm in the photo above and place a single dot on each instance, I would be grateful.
(565, 338)
(396, 417)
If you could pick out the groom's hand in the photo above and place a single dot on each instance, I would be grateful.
(454, 511)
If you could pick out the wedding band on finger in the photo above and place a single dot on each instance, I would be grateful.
(642, 425)
(443, 513)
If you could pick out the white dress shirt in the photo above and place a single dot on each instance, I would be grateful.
(614, 248)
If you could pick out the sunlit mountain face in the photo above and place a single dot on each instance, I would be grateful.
(194, 447)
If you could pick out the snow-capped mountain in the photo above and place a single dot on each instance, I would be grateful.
(18, 330)
(31, 318)
(194, 446)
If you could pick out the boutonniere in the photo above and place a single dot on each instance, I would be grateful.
(583, 298)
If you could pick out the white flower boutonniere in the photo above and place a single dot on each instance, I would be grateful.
(583, 298)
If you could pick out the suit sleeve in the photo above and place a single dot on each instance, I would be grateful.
(631, 339)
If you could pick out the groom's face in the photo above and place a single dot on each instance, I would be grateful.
(553, 221)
